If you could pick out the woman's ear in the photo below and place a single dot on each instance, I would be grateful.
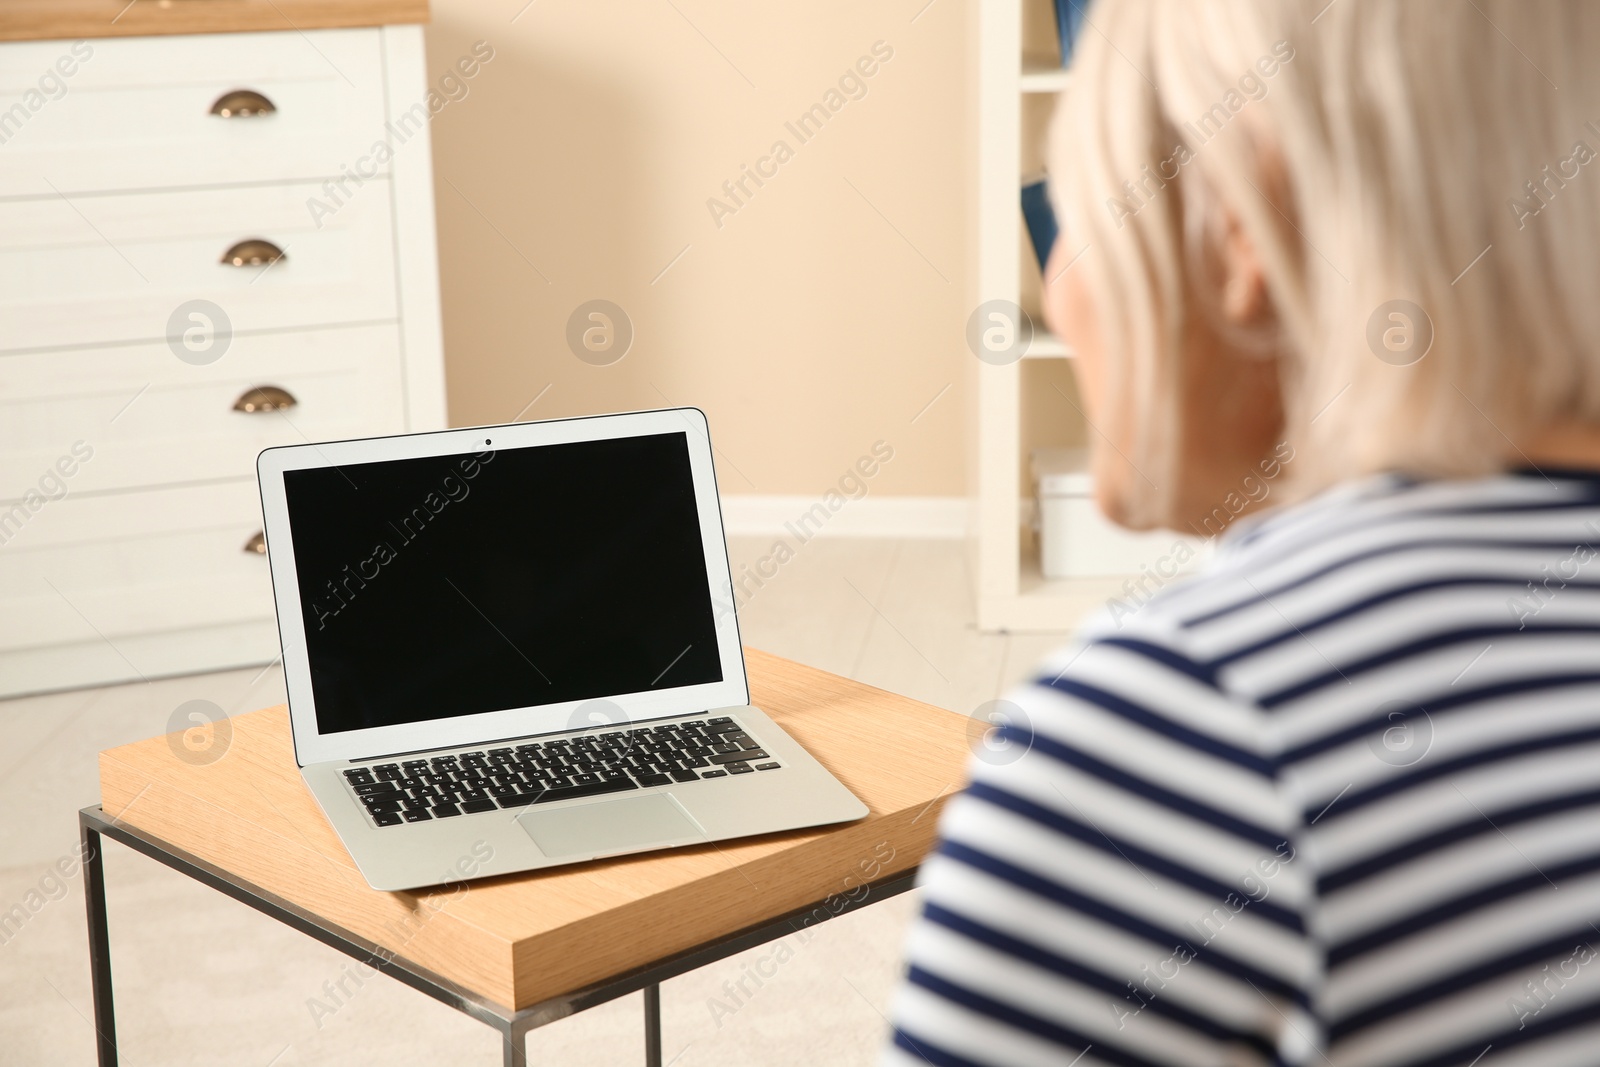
(1244, 286)
(1245, 300)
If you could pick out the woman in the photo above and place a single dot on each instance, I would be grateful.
(1336, 800)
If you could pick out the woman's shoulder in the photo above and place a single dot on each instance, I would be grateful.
(1377, 541)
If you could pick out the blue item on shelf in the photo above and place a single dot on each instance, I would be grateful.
(1069, 22)
(1040, 217)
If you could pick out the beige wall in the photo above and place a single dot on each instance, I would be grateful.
(808, 325)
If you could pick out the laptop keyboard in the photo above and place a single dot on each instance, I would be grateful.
(582, 765)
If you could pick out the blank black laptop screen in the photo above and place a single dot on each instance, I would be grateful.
(454, 585)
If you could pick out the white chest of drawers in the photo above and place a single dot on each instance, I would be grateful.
(182, 285)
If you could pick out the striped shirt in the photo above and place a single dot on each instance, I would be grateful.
(1335, 801)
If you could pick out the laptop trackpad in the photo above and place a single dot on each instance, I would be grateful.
(609, 826)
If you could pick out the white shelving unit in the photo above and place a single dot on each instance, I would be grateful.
(1012, 595)
(1042, 76)
(1047, 346)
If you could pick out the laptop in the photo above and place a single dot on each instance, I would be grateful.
(515, 647)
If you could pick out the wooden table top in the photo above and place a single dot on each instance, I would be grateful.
(33, 20)
(522, 939)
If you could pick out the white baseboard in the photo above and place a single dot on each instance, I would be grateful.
(932, 517)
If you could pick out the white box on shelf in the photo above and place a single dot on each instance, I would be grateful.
(1075, 540)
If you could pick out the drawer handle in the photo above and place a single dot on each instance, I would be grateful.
(242, 104)
(264, 398)
(253, 253)
(257, 543)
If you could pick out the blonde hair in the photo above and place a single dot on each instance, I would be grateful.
(1372, 151)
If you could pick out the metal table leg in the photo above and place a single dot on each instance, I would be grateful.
(652, 1025)
(516, 1042)
(513, 1025)
(516, 1035)
(94, 897)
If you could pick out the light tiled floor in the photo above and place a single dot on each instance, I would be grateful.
(204, 980)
